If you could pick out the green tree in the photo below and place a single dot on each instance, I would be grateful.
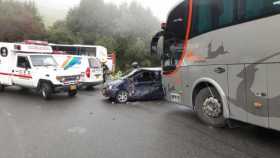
(20, 21)
(126, 30)
(59, 33)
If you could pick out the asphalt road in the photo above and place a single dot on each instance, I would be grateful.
(89, 126)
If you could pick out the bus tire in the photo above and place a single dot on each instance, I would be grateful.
(209, 107)
(46, 90)
(72, 93)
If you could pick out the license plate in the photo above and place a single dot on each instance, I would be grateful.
(73, 87)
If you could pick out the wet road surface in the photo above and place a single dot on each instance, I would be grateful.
(89, 126)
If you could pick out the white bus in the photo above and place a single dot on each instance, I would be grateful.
(222, 57)
(99, 52)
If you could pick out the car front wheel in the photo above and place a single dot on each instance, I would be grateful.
(122, 97)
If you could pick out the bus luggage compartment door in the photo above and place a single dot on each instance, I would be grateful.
(256, 89)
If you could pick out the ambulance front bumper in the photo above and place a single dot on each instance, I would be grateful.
(73, 86)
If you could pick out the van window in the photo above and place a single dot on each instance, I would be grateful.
(94, 63)
(259, 8)
(209, 15)
(22, 62)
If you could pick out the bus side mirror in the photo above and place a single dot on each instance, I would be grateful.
(154, 49)
(154, 43)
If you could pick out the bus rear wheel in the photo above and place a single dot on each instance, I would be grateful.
(209, 107)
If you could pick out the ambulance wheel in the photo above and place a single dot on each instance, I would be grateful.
(209, 107)
(46, 90)
(2, 88)
(72, 93)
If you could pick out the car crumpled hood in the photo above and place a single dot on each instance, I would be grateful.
(114, 83)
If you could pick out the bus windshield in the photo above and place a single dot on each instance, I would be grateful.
(43, 60)
(175, 35)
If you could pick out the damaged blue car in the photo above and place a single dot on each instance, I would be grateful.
(140, 84)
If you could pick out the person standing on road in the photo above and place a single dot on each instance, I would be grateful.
(105, 72)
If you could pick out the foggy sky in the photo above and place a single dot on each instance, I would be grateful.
(160, 8)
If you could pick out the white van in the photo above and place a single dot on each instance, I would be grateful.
(30, 65)
(90, 68)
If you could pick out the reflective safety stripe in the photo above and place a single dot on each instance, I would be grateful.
(16, 75)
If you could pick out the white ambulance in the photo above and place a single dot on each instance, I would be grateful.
(90, 68)
(31, 65)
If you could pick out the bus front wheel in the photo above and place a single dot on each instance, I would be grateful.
(209, 107)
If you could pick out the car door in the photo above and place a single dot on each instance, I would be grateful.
(22, 72)
(142, 85)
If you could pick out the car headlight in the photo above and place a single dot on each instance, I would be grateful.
(110, 87)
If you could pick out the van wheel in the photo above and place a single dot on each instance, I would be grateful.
(46, 90)
(2, 88)
(209, 107)
(122, 97)
(72, 93)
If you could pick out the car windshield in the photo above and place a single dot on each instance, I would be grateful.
(43, 60)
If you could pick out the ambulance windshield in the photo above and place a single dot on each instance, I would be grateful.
(43, 60)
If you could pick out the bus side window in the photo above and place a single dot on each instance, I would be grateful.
(254, 9)
(210, 15)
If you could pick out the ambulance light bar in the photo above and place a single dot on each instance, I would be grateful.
(17, 47)
(33, 42)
